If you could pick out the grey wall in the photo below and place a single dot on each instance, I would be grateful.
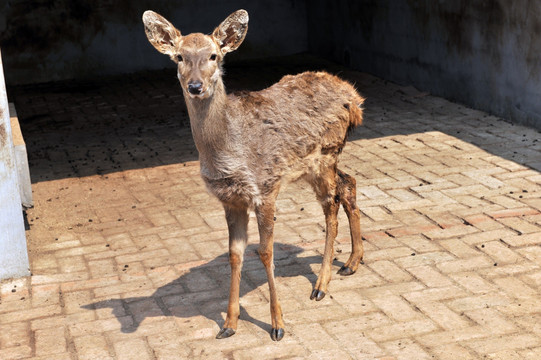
(484, 53)
(46, 40)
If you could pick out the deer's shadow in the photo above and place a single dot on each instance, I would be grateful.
(204, 290)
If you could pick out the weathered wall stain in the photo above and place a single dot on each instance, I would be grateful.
(46, 40)
(458, 20)
(8, 162)
(45, 24)
(40, 25)
(3, 134)
(532, 26)
(366, 15)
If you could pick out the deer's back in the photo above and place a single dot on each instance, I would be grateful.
(292, 127)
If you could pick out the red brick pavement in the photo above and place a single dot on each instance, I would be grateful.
(128, 251)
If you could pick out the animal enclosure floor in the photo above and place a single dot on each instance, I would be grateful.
(128, 251)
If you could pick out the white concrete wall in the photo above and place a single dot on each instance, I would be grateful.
(13, 251)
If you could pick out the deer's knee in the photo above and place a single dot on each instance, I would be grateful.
(266, 256)
(347, 189)
(236, 254)
(330, 204)
(235, 259)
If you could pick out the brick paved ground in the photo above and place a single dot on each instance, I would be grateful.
(128, 251)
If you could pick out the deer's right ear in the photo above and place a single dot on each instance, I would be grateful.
(161, 33)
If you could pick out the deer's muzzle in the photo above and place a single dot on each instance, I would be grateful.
(195, 87)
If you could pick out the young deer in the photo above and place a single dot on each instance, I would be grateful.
(251, 142)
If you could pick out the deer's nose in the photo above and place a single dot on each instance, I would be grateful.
(195, 87)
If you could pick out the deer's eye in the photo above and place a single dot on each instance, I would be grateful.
(179, 58)
(213, 57)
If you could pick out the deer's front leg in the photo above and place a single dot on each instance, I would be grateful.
(265, 221)
(237, 223)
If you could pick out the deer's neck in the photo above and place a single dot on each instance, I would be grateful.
(210, 127)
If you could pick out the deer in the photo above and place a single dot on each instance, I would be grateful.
(251, 143)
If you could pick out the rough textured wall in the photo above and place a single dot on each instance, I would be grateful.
(44, 40)
(484, 53)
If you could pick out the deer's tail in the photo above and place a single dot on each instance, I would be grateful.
(355, 112)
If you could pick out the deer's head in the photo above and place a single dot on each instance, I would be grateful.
(199, 57)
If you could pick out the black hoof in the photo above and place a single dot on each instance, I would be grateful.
(277, 334)
(345, 271)
(225, 333)
(317, 294)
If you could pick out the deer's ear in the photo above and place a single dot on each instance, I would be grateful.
(231, 32)
(161, 33)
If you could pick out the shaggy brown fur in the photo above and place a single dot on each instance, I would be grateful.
(251, 142)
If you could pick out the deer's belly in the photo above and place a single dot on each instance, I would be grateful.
(234, 191)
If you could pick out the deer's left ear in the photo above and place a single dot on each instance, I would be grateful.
(231, 32)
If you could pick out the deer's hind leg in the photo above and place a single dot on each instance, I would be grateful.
(325, 187)
(348, 197)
